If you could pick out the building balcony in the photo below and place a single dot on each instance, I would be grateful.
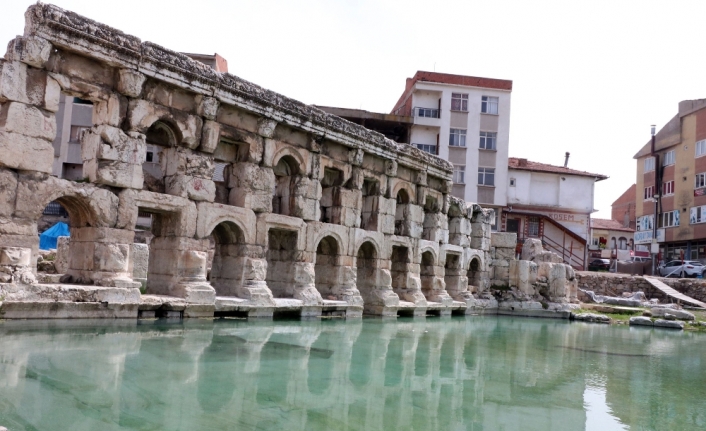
(427, 148)
(426, 116)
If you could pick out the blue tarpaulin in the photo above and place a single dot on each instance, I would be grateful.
(47, 240)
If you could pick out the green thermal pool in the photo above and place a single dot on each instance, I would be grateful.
(476, 373)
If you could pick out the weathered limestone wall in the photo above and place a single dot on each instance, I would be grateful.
(610, 284)
(310, 207)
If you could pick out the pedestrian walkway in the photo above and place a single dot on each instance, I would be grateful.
(673, 293)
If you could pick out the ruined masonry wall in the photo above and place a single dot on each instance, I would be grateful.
(617, 284)
(301, 204)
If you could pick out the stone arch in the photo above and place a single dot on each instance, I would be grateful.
(408, 191)
(286, 170)
(79, 207)
(326, 266)
(294, 154)
(228, 220)
(432, 251)
(474, 275)
(227, 261)
(377, 246)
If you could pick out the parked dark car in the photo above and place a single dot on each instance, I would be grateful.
(599, 265)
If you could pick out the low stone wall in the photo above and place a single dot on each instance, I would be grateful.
(616, 284)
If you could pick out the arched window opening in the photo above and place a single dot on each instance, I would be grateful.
(158, 137)
(402, 213)
(285, 172)
(371, 202)
(474, 276)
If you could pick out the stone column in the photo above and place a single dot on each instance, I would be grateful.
(178, 268)
(101, 255)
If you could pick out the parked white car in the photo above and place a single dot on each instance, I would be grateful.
(675, 268)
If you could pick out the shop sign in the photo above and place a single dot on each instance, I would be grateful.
(645, 236)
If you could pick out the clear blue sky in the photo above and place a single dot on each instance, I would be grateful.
(589, 76)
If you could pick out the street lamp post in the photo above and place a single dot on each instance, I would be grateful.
(656, 198)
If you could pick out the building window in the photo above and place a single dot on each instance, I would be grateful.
(489, 105)
(701, 148)
(152, 154)
(76, 132)
(431, 149)
(668, 188)
(649, 164)
(668, 158)
(457, 138)
(427, 112)
(459, 102)
(595, 241)
(533, 226)
(700, 180)
(698, 215)
(487, 140)
(670, 219)
(459, 174)
(486, 176)
(644, 222)
(649, 192)
(512, 182)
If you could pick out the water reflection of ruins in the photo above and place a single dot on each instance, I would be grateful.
(414, 374)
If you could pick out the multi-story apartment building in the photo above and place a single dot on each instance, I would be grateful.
(72, 119)
(465, 120)
(671, 182)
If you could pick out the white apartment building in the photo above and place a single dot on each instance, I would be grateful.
(465, 120)
(73, 118)
(553, 204)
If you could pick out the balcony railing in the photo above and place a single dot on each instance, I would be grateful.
(426, 112)
(427, 148)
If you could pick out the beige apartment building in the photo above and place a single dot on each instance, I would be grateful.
(465, 120)
(672, 180)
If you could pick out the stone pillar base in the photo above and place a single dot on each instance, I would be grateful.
(257, 293)
(309, 296)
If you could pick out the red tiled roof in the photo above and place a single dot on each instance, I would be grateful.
(446, 78)
(528, 165)
(606, 224)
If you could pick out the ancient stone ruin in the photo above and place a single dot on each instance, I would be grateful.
(256, 203)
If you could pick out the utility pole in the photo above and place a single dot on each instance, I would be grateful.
(655, 196)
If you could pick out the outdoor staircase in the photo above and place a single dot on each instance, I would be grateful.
(673, 293)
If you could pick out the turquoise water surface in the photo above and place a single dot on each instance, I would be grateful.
(475, 373)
